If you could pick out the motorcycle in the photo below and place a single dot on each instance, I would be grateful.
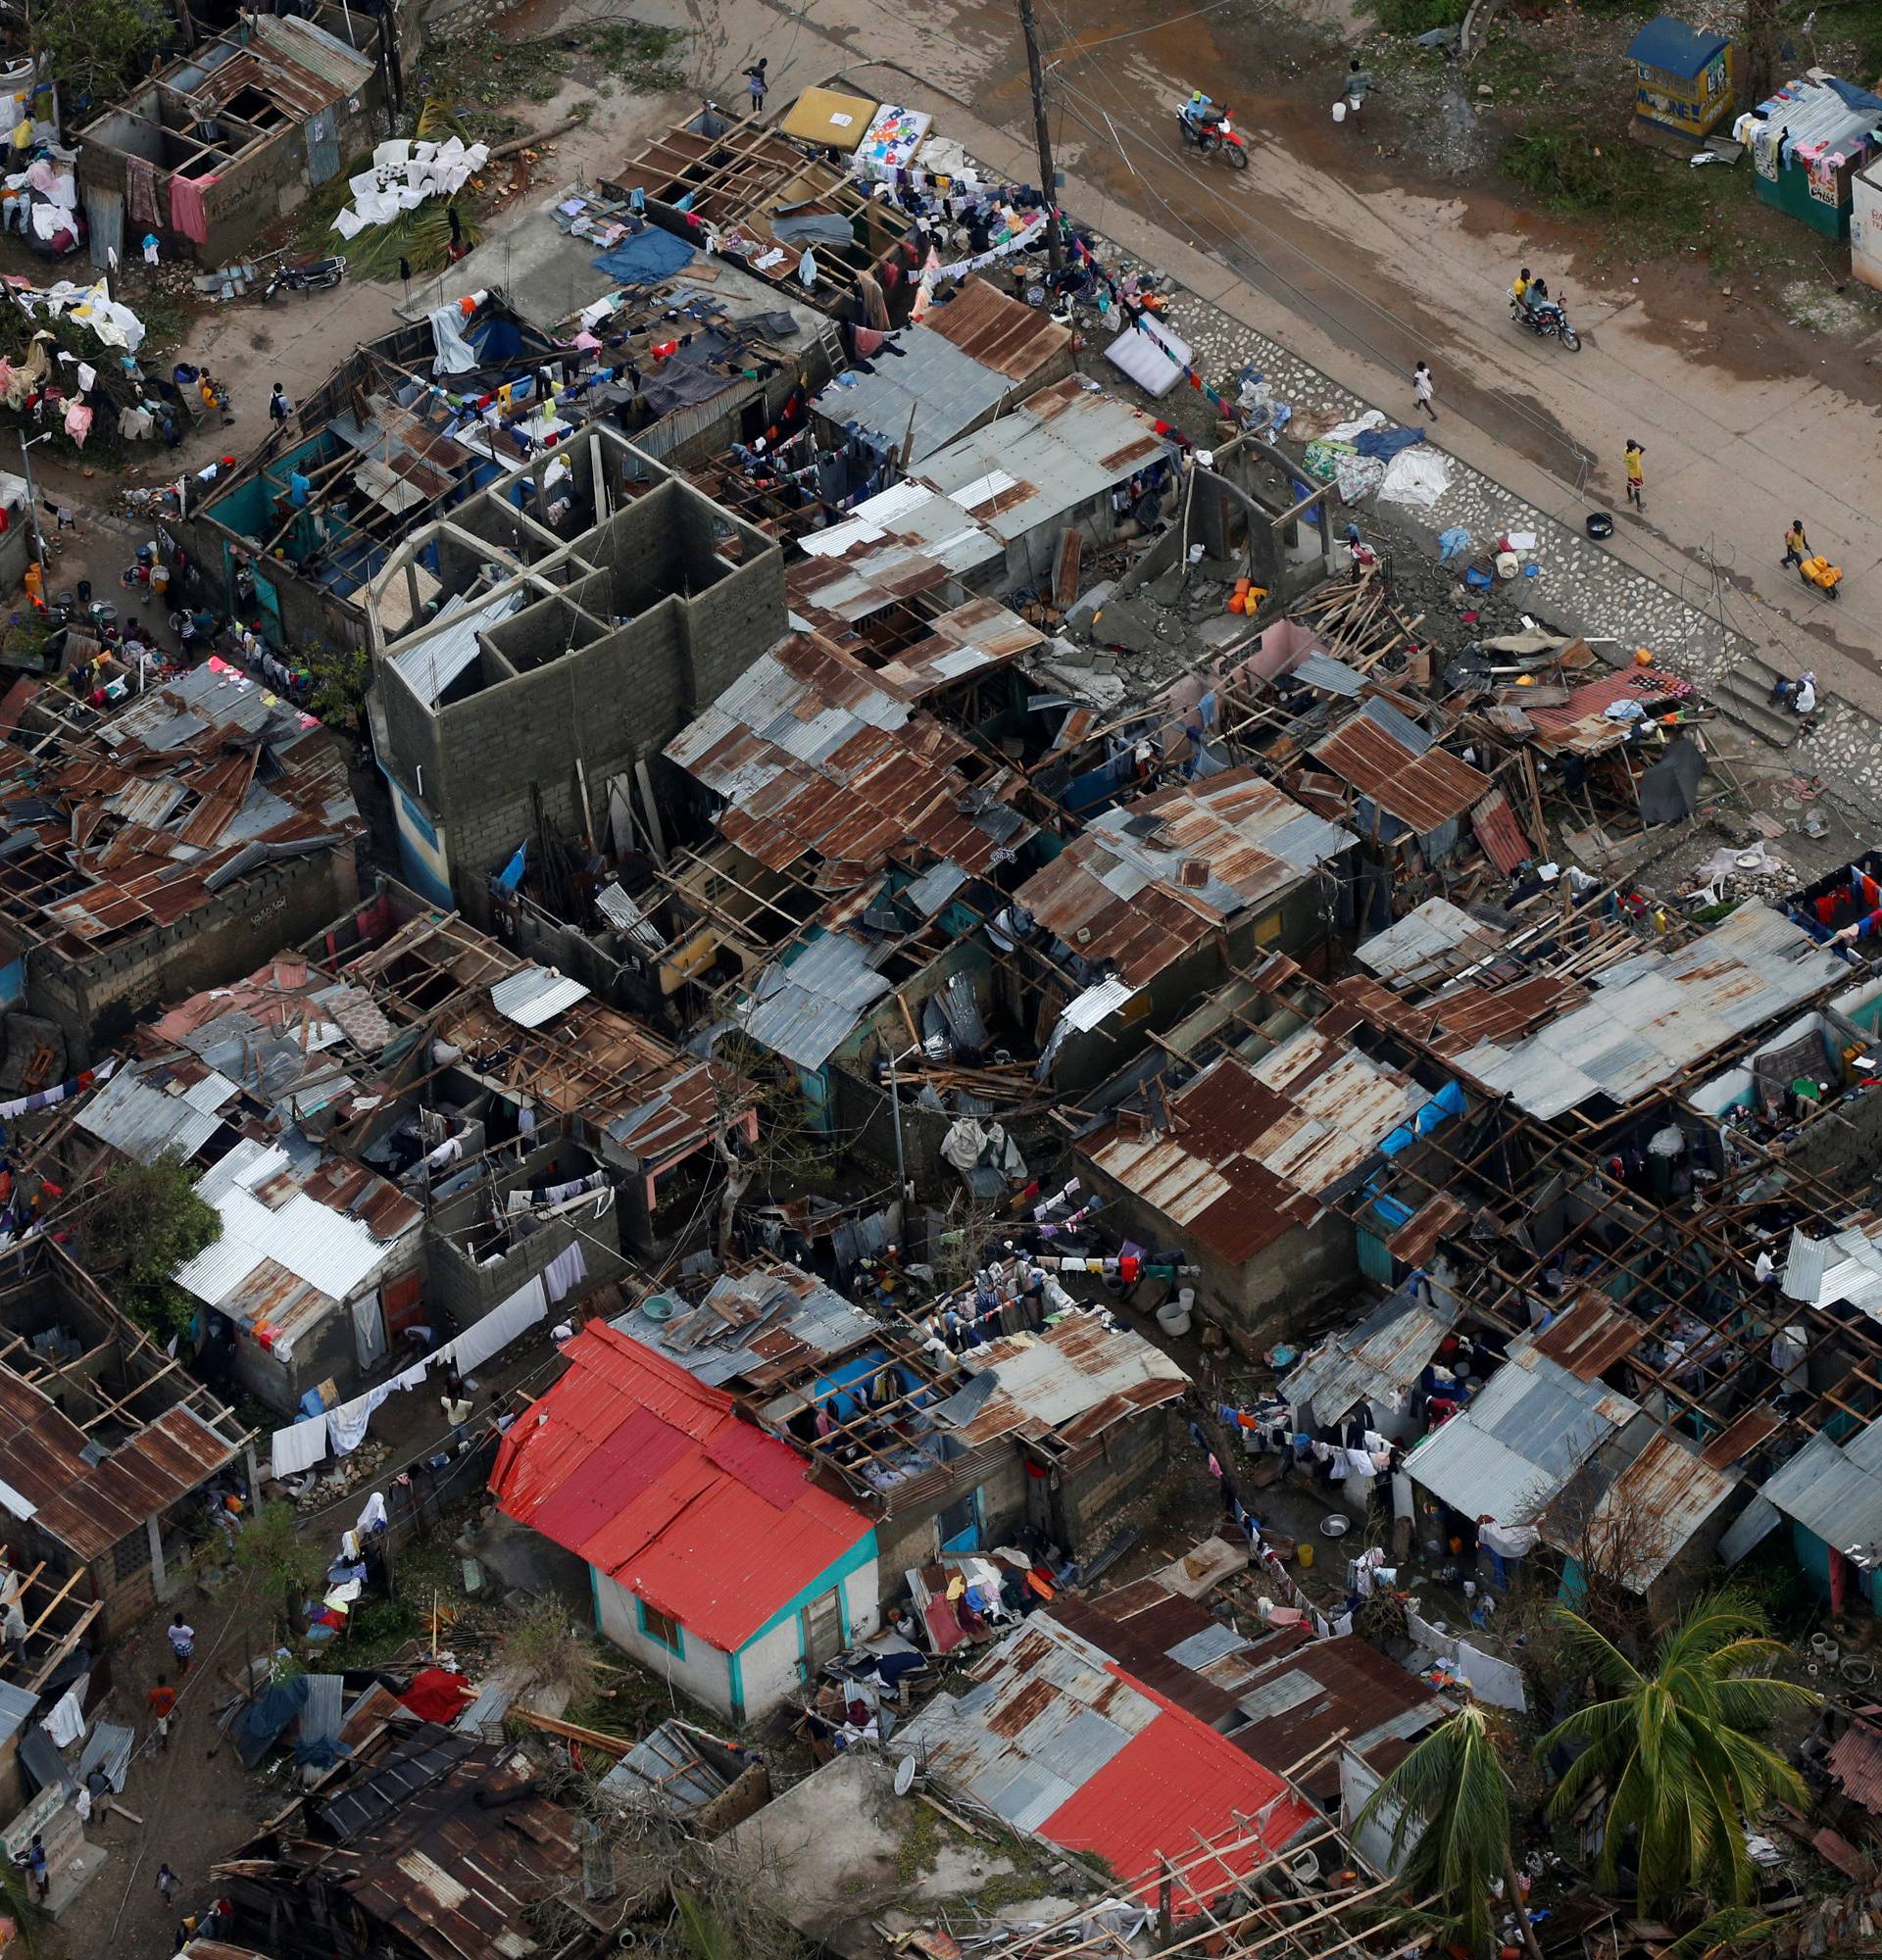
(1209, 137)
(317, 276)
(1547, 319)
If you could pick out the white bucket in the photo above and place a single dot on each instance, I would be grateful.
(1339, 110)
(1173, 1315)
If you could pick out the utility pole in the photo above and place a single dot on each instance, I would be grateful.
(1054, 245)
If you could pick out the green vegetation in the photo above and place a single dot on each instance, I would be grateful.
(1415, 16)
(97, 47)
(147, 1222)
(287, 1567)
(921, 1849)
(1448, 1803)
(339, 681)
(637, 55)
(547, 1650)
(1673, 1749)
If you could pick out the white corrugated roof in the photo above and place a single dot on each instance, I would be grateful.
(535, 995)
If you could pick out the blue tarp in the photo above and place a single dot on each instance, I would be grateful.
(263, 1720)
(648, 256)
(1386, 443)
(1671, 45)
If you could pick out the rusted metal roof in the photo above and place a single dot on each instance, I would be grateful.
(1856, 1763)
(970, 641)
(1581, 722)
(1251, 1151)
(1415, 1241)
(815, 757)
(460, 1851)
(1590, 1336)
(1376, 1360)
(174, 796)
(1649, 1512)
(1018, 341)
(1740, 1436)
(1391, 760)
(1070, 1383)
(1144, 883)
(1501, 835)
(1059, 1740)
(46, 1477)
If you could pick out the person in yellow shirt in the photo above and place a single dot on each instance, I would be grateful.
(1636, 473)
(1519, 288)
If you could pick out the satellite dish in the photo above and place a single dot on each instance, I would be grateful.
(905, 1776)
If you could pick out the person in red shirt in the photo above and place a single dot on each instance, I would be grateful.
(163, 1700)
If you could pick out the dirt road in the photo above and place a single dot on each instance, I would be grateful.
(1366, 269)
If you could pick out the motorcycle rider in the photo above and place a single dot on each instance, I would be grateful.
(1519, 288)
(1200, 111)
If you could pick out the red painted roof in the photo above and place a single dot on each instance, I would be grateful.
(646, 1473)
(1173, 1780)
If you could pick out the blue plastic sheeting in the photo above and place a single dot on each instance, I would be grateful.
(1446, 1103)
(648, 256)
(259, 1725)
(1386, 443)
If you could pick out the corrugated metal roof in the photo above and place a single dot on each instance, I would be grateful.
(1250, 1153)
(1581, 722)
(1073, 1381)
(535, 995)
(1500, 834)
(807, 1010)
(1656, 1015)
(757, 1325)
(933, 394)
(146, 1120)
(88, 1505)
(1118, 891)
(650, 1477)
(1391, 760)
(1002, 332)
(429, 666)
(1375, 1361)
(1511, 1449)
(1856, 1763)
(1651, 1511)
(671, 1771)
(1834, 1492)
(1432, 941)
(1054, 451)
(816, 756)
(1057, 1739)
(311, 47)
(1844, 1269)
(1590, 1335)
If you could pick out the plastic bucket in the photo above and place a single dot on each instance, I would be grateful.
(1339, 110)
(1305, 1553)
(1173, 1316)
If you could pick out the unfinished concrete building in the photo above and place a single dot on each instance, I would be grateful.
(528, 668)
(211, 149)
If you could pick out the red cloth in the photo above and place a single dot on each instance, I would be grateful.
(436, 1694)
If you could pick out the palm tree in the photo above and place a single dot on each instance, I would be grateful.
(1449, 1802)
(1683, 1777)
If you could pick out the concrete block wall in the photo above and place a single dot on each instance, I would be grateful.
(459, 1287)
(94, 1000)
(1117, 1468)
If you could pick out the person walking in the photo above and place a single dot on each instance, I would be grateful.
(182, 1641)
(279, 408)
(1636, 473)
(1358, 85)
(167, 1884)
(33, 1857)
(163, 1704)
(1421, 389)
(1796, 545)
(758, 82)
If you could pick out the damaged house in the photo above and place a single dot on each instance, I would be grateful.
(214, 148)
(171, 845)
(499, 630)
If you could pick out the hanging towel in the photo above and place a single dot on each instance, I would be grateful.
(140, 192)
(454, 354)
(566, 1270)
(300, 1446)
(186, 212)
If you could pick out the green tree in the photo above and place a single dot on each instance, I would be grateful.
(96, 47)
(1448, 1805)
(1684, 1777)
(340, 676)
(148, 1221)
(287, 1567)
